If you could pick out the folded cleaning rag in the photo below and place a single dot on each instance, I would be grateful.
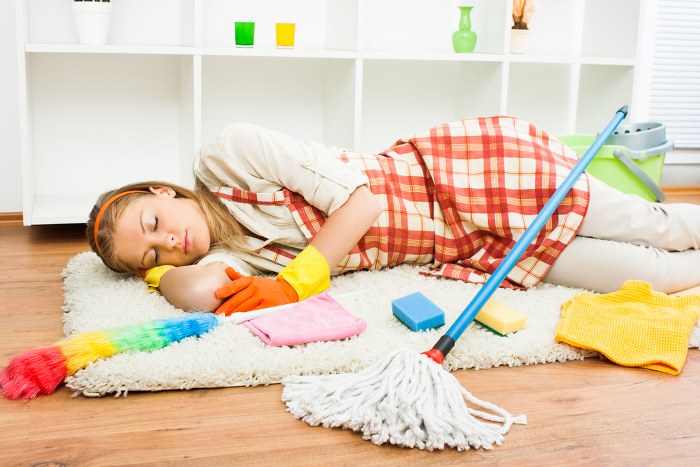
(634, 326)
(318, 318)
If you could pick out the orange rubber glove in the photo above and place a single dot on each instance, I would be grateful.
(253, 293)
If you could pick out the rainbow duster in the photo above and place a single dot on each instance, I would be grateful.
(41, 370)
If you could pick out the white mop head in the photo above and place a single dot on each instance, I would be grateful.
(405, 399)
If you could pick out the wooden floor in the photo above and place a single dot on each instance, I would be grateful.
(579, 413)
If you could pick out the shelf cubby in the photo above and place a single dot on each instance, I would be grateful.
(602, 90)
(542, 94)
(404, 97)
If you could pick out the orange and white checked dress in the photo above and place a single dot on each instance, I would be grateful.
(456, 197)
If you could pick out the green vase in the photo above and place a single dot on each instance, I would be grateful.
(464, 39)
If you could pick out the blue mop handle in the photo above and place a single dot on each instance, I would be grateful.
(485, 292)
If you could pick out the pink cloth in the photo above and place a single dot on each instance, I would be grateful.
(318, 318)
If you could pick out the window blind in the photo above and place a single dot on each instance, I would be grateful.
(675, 80)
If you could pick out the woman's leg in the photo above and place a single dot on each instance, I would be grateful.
(613, 215)
(604, 265)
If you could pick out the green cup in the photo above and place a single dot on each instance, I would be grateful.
(245, 33)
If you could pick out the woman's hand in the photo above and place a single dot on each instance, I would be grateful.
(253, 293)
(192, 288)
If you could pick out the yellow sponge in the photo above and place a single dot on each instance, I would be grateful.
(500, 318)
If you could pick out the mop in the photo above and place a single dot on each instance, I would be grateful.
(406, 399)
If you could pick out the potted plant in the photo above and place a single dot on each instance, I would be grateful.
(522, 13)
(92, 20)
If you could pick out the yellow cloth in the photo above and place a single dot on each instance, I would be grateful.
(634, 326)
(153, 276)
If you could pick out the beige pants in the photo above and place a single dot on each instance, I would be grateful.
(625, 237)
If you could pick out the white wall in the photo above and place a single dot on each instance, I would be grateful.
(10, 169)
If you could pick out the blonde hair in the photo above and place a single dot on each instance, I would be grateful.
(224, 229)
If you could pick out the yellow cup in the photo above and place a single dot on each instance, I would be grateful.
(285, 35)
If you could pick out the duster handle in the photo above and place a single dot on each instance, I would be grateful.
(447, 341)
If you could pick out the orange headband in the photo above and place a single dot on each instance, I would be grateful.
(104, 208)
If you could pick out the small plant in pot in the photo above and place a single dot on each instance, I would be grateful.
(92, 20)
(522, 13)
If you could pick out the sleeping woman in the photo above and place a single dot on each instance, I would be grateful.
(271, 218)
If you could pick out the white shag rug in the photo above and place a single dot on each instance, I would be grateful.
(230, 355)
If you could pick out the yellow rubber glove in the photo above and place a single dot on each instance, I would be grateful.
(307, 275)
(153, 276)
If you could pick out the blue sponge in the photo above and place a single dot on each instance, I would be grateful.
(417, 312)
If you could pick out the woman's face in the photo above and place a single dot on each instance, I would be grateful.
(161, 229)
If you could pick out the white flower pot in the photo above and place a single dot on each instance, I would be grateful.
(92, 21)
(518, 40)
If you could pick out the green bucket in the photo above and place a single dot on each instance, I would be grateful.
(630, 171)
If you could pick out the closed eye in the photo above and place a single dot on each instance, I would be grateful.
(155, 250)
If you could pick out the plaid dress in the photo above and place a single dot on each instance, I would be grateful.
(457, 197)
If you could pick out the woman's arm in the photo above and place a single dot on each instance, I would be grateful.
(347, 225)
(309, 273)
(192, 288)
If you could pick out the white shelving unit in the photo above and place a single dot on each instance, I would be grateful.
(363, 73)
